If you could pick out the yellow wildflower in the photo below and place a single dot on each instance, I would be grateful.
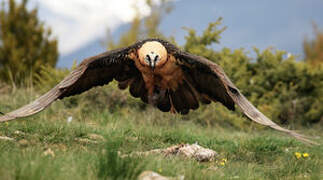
(298, 155)
(305, 155)
(223, 161)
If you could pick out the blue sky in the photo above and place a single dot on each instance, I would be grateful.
(281, 24)
(80, 25)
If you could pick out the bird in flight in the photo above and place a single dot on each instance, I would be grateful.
(158, 73)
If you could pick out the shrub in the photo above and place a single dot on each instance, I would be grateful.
(25, 44)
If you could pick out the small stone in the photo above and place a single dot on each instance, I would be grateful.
(60, 147)
(132, 139)
(49, 152)
(19, 133)
(85, 141)
(23, 142)
(96, 137)
(212, 168)
(6, 138)
(150, 175)
(69, 119)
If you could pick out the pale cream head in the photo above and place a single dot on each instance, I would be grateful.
(153, 54)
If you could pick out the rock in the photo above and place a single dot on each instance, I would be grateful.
(59, 147)
(49, 152)
(90, 139)
(85, 141)
(198, 152)
(132, 139)
(212, 168)
(6, 138)
(150, 175)
(186, 150)
(19, 133)
(69, 119)
(23, 142)
(95, 137)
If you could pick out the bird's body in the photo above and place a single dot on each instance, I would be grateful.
(160, 74)
(165, 76)
(168, 77)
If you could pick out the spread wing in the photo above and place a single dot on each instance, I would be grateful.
(94, 71)
(210, 82)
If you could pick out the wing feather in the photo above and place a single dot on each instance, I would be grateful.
(94, 71)
(191, 62)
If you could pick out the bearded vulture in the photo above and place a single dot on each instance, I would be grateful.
(158, 73)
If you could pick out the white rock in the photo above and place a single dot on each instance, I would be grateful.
(150, 175)
(6, 138)
(69, 119)
(195, 151)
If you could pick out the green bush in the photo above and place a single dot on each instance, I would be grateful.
(286, 90)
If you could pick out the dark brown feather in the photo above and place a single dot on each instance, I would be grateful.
(163, 102)
(124, 84)
(137, 87)
(94, 71)
(188, 96)
(179, 101)
(211, 81)
(204, 99)
(210, 85)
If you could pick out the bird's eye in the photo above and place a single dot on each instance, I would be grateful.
(147, 57)
(156, 58)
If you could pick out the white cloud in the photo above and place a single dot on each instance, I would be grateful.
(77, 22)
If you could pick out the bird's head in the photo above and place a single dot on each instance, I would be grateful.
(152, 54)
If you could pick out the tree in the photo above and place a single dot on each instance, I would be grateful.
(25, 43)
(313, 49)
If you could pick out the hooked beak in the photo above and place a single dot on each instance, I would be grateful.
(152, 58)
(152, 65)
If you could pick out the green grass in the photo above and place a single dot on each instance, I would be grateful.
(251, 153)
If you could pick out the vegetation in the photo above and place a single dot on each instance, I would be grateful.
(313, 49)
(25, 44)
(288, 91)
(77, 154)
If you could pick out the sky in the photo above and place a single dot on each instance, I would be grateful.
(251, 23)
(81, 25)
(77, 22)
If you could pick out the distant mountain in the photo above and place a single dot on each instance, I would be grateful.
(90, 49)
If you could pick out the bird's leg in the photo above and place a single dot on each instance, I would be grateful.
(151, 95)
(172, 108)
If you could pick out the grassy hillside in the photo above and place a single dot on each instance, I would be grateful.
(48, 146)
